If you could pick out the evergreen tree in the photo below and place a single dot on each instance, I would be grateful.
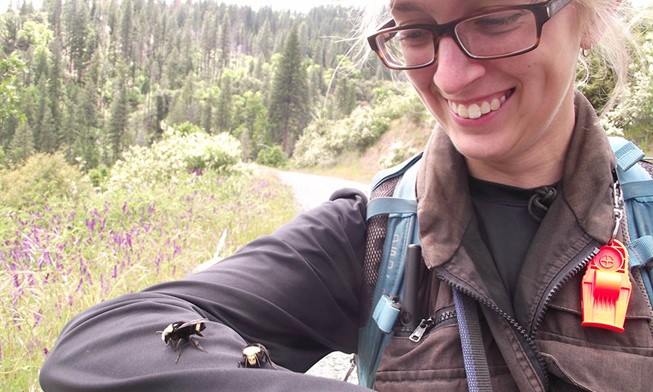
(22, 144)
(118, 121)
(288, 103)
(48, 132)
(77, 31)
(126, 30)
(224, 108)
(225, 42)
(55, 86)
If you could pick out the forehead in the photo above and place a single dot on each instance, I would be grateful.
(405, 6)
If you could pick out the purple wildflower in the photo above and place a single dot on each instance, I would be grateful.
(90, 223)
(37, 319)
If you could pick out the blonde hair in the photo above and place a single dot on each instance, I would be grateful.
(608, 23)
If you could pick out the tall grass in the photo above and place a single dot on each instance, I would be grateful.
(62, 254)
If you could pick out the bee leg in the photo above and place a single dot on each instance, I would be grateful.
(268, 360)
(197, 344)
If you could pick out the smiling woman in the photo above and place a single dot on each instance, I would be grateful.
(516, 193)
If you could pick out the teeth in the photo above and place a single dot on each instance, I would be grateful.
(474, 110)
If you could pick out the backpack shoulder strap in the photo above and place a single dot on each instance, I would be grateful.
(637, 187)
(393, 216)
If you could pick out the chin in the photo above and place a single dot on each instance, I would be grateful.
(479, 148)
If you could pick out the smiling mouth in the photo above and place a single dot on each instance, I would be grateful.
(478, 109)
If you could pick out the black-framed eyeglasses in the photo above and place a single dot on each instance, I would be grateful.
(492, 34)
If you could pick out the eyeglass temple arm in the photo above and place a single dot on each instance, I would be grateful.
(556, 5)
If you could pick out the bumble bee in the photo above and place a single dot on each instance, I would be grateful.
(182, 331)
(255, 356)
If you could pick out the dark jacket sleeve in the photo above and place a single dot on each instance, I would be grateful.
(296, 291)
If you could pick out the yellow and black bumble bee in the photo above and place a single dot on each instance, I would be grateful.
(255, 356)
(182, 331)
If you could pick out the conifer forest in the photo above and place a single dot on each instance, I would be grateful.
(89, 78)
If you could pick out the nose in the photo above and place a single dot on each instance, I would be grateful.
(454, 69)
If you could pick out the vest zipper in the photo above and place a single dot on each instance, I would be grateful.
(450, 280)
(428, 324)
(578, 263)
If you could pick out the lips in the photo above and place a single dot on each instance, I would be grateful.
(478, 109)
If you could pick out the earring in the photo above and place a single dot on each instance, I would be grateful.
(586, 51)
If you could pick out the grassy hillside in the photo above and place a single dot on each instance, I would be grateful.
(67, 246)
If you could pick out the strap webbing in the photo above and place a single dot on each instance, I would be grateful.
(476, 367)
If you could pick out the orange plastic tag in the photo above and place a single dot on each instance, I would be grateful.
(606, 288)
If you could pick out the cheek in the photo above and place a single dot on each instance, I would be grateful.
(421, 79)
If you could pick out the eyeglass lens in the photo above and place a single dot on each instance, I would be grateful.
(490, 35)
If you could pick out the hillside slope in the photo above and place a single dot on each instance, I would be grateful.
(404, 138)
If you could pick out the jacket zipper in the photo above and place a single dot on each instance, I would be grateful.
(578, 263)
(428, 324)
(443, 275)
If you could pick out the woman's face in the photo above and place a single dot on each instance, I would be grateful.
(504, 111)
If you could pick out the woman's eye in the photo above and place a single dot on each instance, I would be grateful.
(414, 36)
(500, 21)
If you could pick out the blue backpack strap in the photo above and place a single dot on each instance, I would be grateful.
(401, 232)
(637, 186)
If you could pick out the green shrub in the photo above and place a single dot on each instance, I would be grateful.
(187, 128)
(99, 176)
(272, 156)
(42, 178)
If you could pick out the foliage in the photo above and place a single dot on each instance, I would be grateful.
(397, 153)
(42, 179)
(187, 128)
(173, 156)
(324, 140)
(633, 116)
(10, 67)
(102, 76)
(289, 101)
(272, 156)
(99, 176)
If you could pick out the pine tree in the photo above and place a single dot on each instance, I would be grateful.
(225, 41)
(288, 103)
(118, 120)
(22, 144)
(48, 132)
(224, 108)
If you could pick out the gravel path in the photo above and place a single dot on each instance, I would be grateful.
(310, 191)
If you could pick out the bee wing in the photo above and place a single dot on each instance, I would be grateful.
(192, 323)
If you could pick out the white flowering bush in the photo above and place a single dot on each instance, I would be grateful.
(176, 155)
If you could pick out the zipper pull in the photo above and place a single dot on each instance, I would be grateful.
(421, 329)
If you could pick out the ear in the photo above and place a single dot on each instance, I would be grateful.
(592, 34)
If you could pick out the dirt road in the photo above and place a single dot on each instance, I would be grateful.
(311, 190)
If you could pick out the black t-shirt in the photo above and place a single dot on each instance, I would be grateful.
(506, 224)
